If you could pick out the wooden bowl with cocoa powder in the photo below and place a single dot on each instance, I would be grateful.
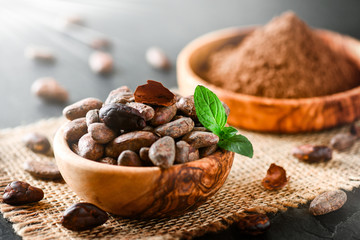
(278, 115)
(142, 192)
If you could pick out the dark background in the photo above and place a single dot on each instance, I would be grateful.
(133, 26)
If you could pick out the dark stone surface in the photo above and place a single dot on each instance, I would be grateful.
(133, 26)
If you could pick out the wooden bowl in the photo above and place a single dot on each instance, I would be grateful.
(270, 114)
(142, 192)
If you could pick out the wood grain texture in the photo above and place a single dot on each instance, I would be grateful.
(142, 192)
(269, 114)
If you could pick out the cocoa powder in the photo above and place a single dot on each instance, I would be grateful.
(283, 59)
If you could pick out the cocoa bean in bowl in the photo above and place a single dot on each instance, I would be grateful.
(145, 178)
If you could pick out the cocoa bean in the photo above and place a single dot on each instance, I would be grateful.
(146, 111)
(144, 156)
(49, 90)
(162, 152)
(186, 105)
(108, 160)
(80, 108)
(182, 152)
(148, 128)
(83, 216)
(312, 154)
(101, 62)
(101, 133)
(342, 141)
(120, 95)
(19, 193)
(75, 148)
(130, 141)
(201, 139)
(90, 149)
(163, 115)
(75, 129)
(129, 158)
(42, 169)
(327, 202)
(176, 128)
(193, 154)
(157, 58)
(253, 224)
(207, 151)
(92, 116)
(37, 142)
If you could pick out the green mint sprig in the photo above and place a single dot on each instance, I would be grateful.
(211, 114)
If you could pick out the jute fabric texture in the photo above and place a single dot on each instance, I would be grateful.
(241, 192)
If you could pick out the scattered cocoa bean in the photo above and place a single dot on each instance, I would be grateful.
(312, 154)
(92, 116)
(129, 158)
(108, 160)
(146, 111)
(186, 105)
(162, 152)
(130, 141)
(207, 151)
(75, 129)
(101, 62)
(253, 224)
(37, 142)
(80, 108)
(342, 141)
(120, 95)
(163, 115)
(176, 128)
(90, 149)
(327, 202)
(120, 116)
(201, 139)
(42, 169)
(101, 133)
(157, 58)
(39, 53)
(193, 154)
(144, 156)
(182, 152)
(49, 89)
(19, 193)
(83, 216)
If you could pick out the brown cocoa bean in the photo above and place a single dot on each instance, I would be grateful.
(37, 142)
(19, 193)
(157, 58)
(162, 152)
(101, 133)
(101, 62)
(312, 154)
(182, 152)
(90, 149)
(75, 129)
(129, 158)
(163, 115)
(176, 128)
(108, 160)
(327, 202)
(144, 156)
(120, 95)
(130, 141)
(92, 116)
(186, 105)
(146, 111)
(342, 141)
(193, 154)
(49, 90)
(75, 148)
(80, 108)
(42, 169)
(201, 139)
(83, 216)
(253, 224)
(207, 151)
(148, 128)
(121, 117)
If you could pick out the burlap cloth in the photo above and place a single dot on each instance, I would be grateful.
(242, 191)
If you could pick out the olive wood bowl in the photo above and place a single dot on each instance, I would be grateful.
(270, 114)
(142, 192)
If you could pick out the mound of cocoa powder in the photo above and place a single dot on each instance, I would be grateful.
(283, 59)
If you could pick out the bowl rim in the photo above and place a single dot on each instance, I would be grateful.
(61, 147)
(187, 52)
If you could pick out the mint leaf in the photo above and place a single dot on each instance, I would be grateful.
(209, 110)
(228, 132)
(238, 144)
